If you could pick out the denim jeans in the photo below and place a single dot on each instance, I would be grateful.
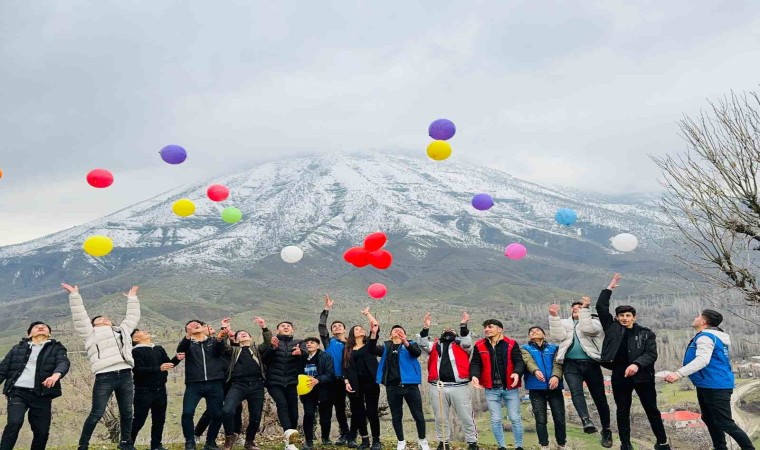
(511, 397)
(213, 392)
(251, 391)
(576, 372)
(21, 400)
(119, 383)
(555, 399)
(716, 414)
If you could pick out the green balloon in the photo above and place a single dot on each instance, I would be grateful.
(231, 215)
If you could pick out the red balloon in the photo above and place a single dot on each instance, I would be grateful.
(375, 241)
(381, 259)
(377, 290)
(99, 178)
(217, 192)
(357, 256)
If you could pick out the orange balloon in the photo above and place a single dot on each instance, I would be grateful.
(1, 173)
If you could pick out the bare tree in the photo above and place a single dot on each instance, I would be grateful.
(712, 196)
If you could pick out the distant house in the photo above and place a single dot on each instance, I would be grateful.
(683, 419)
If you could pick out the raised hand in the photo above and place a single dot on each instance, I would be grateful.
(539, 375)
(365, 311)
(51, 380)
(476, 383)
(297, 351)
(465, 318)
(224, 332)
(275, 342)
(374, 327)
(426, 321)
(260, 322)
(181, 356)
(71, 289)
(515, 379)
(401, 334)
(328, 302)
(132, 292)
(554, 310)
(615, 281)
(225, 322)
(165, 367)
(553, 383)
(586, 300)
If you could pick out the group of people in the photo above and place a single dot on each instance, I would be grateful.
(226, 368)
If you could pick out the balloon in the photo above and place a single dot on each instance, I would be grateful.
(374, 241)
(1, 173)
(99, 178)
(303, 386)
(381, 259)
(173, 154)
(515, 251)
(98, 245)
(231, 215)
(217, 192)
(439, 150)
(377, 290)
(357, 256)
(442, 129)
(291, 254)
(565, 216)
(482, 202)
(625, 242)
(183, 207)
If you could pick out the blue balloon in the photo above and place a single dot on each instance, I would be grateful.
(482, 202)
(442, 129)
(173, 154)
(566, 217)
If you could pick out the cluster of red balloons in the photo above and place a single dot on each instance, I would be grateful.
(371, 253)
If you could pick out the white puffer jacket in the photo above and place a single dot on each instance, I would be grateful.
(109, 348)
(590, 334)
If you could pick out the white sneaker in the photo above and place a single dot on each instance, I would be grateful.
(291, 447)
(424, 444)
(401, 445)
(546, 447)
(291, 436)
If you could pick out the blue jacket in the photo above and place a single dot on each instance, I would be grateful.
(335, 349)
(717, 373)
(543, 359)
(409, 365)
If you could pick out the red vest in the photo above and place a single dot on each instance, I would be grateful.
(461, 358)
(485, 358)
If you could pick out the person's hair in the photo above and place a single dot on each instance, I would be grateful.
(285, 321)
(625, 309)
(311, 339)
(337, 321)
(397, 326)
(132, 334)
(34, 324)
(493, 322)
(349, 347)
(238, 332)
(712, 317)
(194, 320)
(577, 302)
(92, 321)
(537, 327)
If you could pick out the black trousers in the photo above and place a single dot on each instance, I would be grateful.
(364, 401)
(151, 400)
(336, 399)
(213, 392)
(622, 390)
(576, 372)
(538, 402)
(311, 403)
(205, 420)
(253, 393)
(396, 396)
(21, 400)
(286, 399)
(716, 414)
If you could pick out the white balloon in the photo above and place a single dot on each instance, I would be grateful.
(291, 254)
(625, 242)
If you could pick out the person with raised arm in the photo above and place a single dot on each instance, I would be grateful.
(497, 366)
(400, 372)
(318, 366)
(543, 379)
(359, 374)
(150, 373)
(630, 351)
(335, 347)
(109, 349)
(580, 340)
(205, 367)
(449, 380)
(32, 372)
(707, 363)
(245, 374)
(283, 364)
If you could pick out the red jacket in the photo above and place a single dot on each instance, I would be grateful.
(461, 358)
(481, 364)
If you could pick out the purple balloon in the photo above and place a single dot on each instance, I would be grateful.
(173, 154)
(442, 129)
(482, 202)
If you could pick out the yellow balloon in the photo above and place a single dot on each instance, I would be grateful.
(303, 387)
(98, 245)
(439, 150)
(183, 207)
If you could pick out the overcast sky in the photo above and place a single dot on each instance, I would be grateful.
(568, 93)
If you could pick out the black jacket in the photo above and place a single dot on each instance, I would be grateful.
(325, 372)
(232, 353)
(281, 366)
(52, 359)
(204, 361)
(147, 370)
(642, 342)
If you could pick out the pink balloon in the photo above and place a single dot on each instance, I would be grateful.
(377, 290)
(515, 251)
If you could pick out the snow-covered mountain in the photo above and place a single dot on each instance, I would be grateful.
(325, 204)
